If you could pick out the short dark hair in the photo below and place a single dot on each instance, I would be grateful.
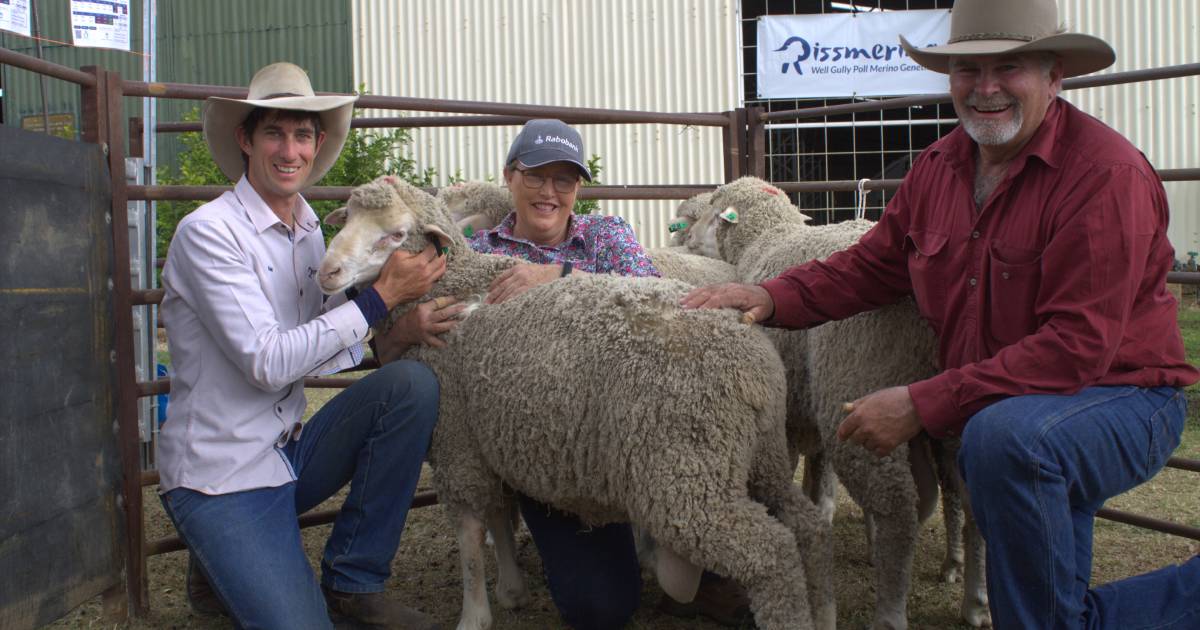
(259, 115)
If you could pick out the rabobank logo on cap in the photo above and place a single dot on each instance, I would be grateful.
(557, 139)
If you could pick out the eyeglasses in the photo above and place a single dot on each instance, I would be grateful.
(562, 183)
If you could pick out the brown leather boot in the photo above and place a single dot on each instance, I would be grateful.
(720, 599)
(201, 597)
(375, 610)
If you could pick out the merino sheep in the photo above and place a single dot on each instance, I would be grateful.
(475, 206)
(842, 361)
(691, 450)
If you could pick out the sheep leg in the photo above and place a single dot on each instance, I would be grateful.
(975, 600)
(476, 614)
(820, 484)
(740, 540)
(814, 538)
(952, 514)
(511, 591)
(895, 546)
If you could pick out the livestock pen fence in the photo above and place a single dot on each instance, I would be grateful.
(42, 576)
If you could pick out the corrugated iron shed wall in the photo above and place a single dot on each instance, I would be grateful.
(1162, 118)
(657, 55)
(223, 42)
(218, 42)
(22, 96)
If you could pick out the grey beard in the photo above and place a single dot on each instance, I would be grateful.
(990, 133)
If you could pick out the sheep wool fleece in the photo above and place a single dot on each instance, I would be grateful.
(609, 401)
(841, 361)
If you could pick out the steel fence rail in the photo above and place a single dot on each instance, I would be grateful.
(48, 68)
(1076, 83)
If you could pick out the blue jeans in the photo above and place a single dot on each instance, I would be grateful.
(373, 435)
(592, 572)
(1038, 468)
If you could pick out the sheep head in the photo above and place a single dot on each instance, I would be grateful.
(382, 216)
(475, 206)
(695, 227)
(746, 208)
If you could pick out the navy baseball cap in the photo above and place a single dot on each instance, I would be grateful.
(545, 140)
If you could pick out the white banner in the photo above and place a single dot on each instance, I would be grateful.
(100, 23)
(14, 16)
(851, 54)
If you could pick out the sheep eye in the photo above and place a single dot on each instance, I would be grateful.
(399, 235)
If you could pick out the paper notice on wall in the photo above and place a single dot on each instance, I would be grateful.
(100, 24)
(14, 16)
(843, 55)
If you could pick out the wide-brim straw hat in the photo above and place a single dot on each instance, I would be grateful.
(277, 86)
(999, 27)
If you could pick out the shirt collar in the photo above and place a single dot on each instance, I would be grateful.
(263, 217)
(574, 231)
(959, 149)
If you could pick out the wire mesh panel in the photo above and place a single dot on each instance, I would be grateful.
(61, 529)
(873, 145)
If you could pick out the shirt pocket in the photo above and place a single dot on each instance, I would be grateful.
(1014, 278)
(927, 268)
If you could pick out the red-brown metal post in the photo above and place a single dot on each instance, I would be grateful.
(756, 143)
(137, 590)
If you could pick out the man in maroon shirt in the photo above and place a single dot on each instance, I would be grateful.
(1033, 238)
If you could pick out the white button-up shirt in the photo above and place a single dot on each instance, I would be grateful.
(245, 324)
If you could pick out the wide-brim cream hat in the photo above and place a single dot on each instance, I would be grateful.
(997, 27)
(277, 86)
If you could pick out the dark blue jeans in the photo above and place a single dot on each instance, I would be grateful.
(373, 435)
(592, 572)
(1038, 468)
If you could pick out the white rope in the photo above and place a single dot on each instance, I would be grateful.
(860, 210)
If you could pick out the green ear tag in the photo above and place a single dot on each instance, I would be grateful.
(443, 251)
(676, 226)
(730, 215)
(468, 231)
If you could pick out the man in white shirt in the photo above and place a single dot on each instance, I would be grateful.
(246, 323)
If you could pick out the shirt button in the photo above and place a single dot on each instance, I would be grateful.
(971, 282)
(1004, 274)
(975, 234)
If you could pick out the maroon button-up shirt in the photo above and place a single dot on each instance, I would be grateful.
(1056, 284)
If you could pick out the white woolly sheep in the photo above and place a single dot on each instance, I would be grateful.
(842, 361)
(691, 450)
(475, 206)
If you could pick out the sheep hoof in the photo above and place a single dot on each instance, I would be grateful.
(977, 616)
(952, 572)
(513, 598)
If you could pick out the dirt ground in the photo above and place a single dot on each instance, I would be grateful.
(426, 575)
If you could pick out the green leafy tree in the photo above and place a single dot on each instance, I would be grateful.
(590, 206)
(366, 155)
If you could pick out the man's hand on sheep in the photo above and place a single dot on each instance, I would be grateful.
(747, 298)
(519, 279)
(421, 325)
(407, 276)
(881, 421)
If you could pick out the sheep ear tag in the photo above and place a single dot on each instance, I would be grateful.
(677, 226)
(337, 217)
(729, 215)
(439, 237)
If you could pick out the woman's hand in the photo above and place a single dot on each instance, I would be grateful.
(519, 279)
(421, 325)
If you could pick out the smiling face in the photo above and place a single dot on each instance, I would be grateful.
(543, 212)
(1002, 100)
(279, 154)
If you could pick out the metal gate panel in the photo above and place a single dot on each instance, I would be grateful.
(61, 529)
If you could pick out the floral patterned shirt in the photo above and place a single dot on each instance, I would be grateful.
(595, 243)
